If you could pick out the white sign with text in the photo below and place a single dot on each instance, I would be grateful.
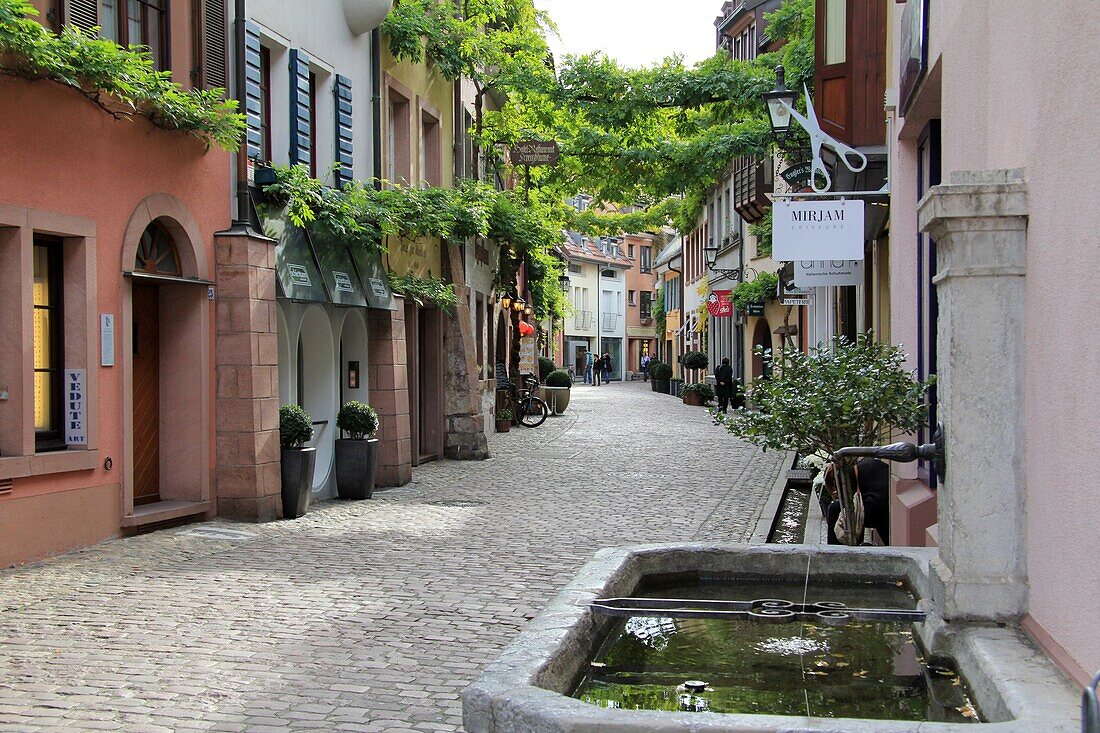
(808, 230)
(76, 429)
(814, 273)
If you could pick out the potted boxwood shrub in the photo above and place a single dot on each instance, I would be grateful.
(557, 390)
(697, 394)
(504, 419)
(653, 379)
(695, 360)
(661, 374)
(356, 455)
(546, 365)
(295, 428)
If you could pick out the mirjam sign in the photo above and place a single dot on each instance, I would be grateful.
(817, 230)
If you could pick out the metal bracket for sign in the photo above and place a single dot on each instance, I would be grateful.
(765, 610)
(842, 195)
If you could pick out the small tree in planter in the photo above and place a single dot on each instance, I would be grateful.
(296, 469)
(356, 455)
(694, 360)
(662, 373)
(504, 419)
(546, 365)
(848, 394)
(653, 364)
(557, 390)
(697, 394)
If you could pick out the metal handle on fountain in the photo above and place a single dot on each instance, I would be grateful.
(903, 452)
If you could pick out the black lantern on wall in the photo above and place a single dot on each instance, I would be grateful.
(779, 102)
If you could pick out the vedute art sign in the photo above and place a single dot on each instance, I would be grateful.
(815, 230)
(535, 152)
(814, 273)
(719, 304)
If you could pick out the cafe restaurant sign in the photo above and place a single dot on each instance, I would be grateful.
(535, 152)
(817, 230)
(720, 304)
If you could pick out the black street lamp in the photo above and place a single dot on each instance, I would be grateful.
(563, 282)
(779, 102)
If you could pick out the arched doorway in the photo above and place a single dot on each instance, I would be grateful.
(315, 386)
(762, 338)
(167, 368)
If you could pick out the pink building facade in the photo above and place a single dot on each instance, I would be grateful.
(982, 111)
(106, 272)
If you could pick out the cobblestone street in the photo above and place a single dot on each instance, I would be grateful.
(365, 616)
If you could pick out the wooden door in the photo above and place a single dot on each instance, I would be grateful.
(146, 363)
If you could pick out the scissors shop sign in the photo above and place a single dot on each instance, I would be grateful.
(817, 230)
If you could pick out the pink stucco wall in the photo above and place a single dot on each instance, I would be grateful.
(62, 154)
(1018, 91)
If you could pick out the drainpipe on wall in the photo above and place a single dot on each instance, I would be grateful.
(376, 101)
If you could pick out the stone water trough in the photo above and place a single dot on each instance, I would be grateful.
(529, 688)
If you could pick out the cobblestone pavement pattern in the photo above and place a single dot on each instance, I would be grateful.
(364, 616)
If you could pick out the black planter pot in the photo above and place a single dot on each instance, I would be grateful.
(662, 385)
(653, 384)
(297, 476)
(356, 461)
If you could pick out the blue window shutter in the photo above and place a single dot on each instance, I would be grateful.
(299, 108)
(253, 105)
(344, 149)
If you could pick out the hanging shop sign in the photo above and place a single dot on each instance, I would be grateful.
(527, 354)
(535, 152)
(755, 308)
(798, 175)
(791, 294)
(720, 304)
(815, 273)
(807, 230)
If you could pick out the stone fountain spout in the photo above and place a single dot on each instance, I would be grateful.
(901, 452)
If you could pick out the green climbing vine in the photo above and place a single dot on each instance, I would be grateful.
(121, 81)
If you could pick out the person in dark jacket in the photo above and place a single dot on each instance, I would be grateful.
(873, 484)
(723, 385)
(605, 361)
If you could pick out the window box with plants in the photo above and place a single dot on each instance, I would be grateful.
(504, 419)
(556, 391)
(662, 373)
(297, 461)
(356, 455)
(697, 394)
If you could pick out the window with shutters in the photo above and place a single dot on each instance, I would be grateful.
(343, 99)
(210, 43)
(127, 23)
(430, 150)
(312, 124)
(398, 137)
(265, 103)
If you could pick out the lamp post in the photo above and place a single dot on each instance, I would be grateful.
(563, 282)
(518, 304)
(505, 302)
(711, 253)
(779, 102)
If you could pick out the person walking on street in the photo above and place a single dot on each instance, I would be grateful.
(645, 367)
(605, 362)
(596, 368)
(588, 359)
(723, 382)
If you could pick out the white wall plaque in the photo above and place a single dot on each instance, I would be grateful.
(76, 399)
(809, 230)
(813, 273)
(106, 339)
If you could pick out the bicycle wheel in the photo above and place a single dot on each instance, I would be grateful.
(533, 412)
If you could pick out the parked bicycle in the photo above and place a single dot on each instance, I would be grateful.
(530, 411)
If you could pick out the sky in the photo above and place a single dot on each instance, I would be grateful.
(634, 32)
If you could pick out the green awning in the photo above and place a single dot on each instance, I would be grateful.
(337, 270)
(376, 284)
(295, 268)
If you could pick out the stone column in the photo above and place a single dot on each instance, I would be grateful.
(247, 362)
(464, 429)
(388, 380)
(979, 222)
